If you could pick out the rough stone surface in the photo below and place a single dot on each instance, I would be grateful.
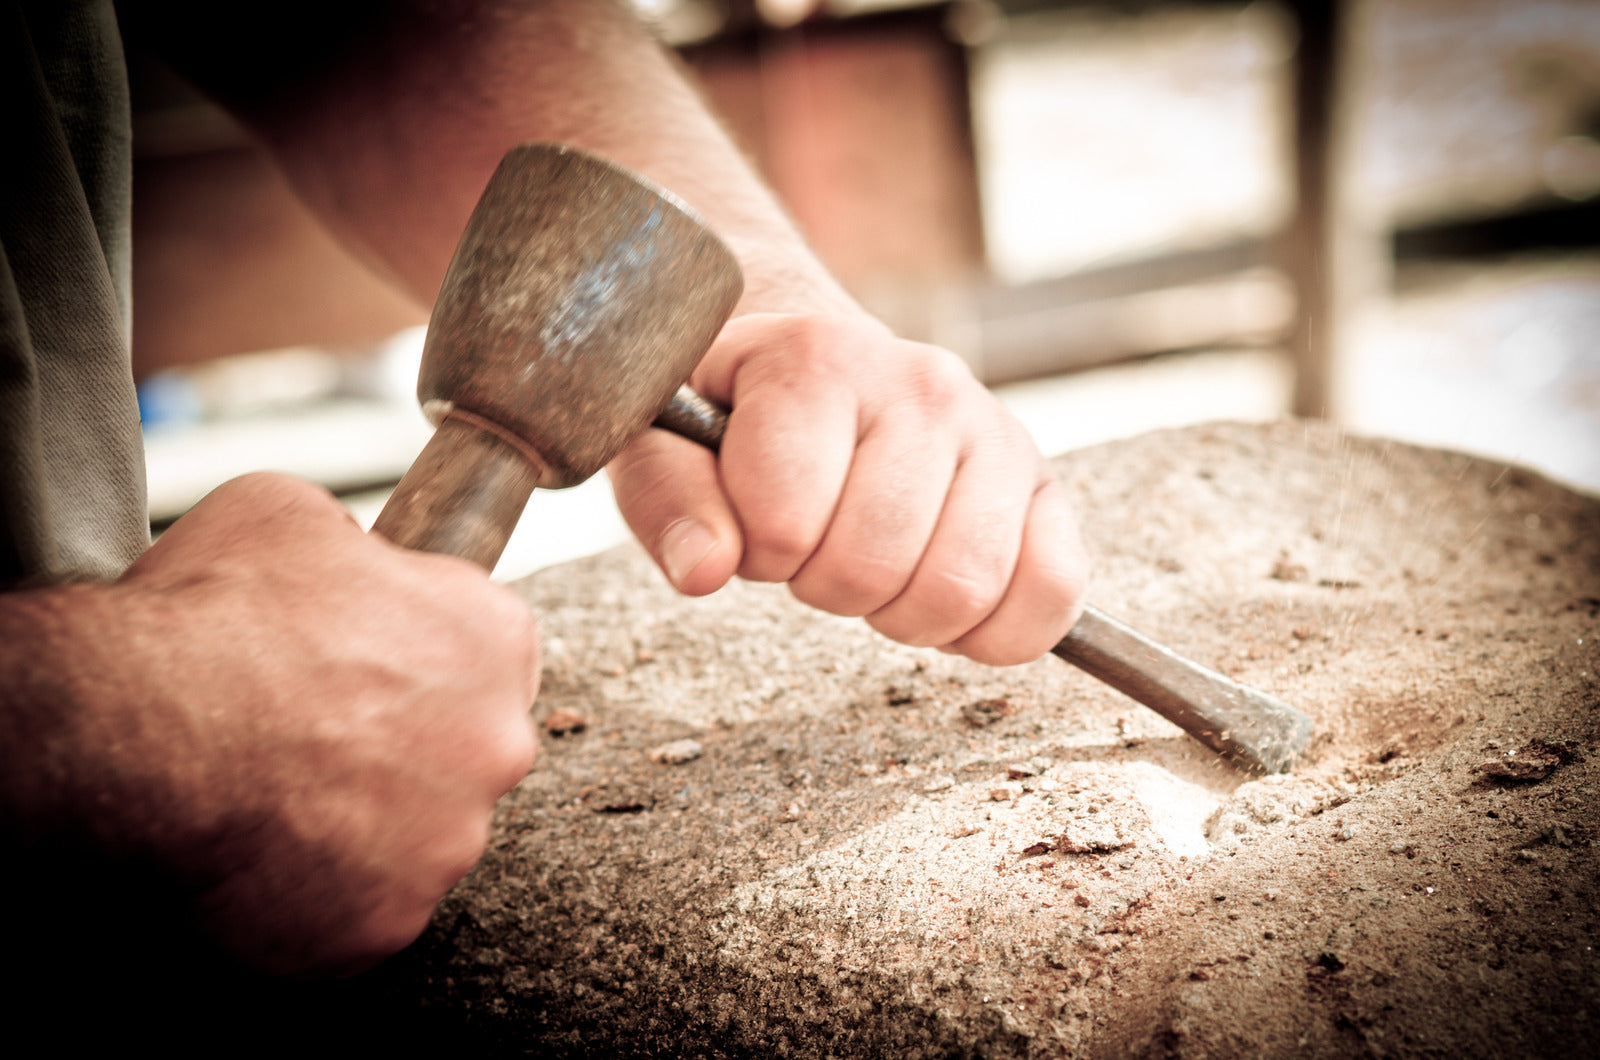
(832, 876)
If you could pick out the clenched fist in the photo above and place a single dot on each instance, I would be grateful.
(877, 477)
(304, 725)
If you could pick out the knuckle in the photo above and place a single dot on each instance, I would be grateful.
(994, 650)
(642, 471)
(1051, 604)
(1059, 579)
(965, 597)
(856, 588)
(383, 936)
(1062, 586)
(940, 609)
(462, 855)
(778, 544)
(937, 380)
(516, 754)
(796, 347)
(1006, 436)
(516, 622)
(493, 615)
(280, 494)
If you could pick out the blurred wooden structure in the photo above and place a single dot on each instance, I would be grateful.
(862, 124)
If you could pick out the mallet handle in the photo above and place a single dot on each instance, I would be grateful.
(462, 496)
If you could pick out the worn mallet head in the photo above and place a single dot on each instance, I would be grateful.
(578, 301)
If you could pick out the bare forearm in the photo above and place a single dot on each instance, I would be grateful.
(75, 734)
(393, 145)
(34, 627)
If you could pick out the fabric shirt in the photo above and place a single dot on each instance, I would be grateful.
(72, 494)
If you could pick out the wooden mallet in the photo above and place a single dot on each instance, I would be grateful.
(578, 302)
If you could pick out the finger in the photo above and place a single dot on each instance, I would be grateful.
(513, 630)
(887, 513)
(511, 748)
(1046, 593)
(720, 371)
(532, 671)
(262, 510)
(519, 743)
(477, 645)
(670, 493)
(972, 556)
(788, 450)
(276, 501)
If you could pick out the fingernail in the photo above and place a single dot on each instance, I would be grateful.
(684, 544)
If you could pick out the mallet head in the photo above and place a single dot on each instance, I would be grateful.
(579, 299)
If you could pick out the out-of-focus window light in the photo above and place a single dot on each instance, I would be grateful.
(688, 21)
(681, 22)
(1103, 136)
(1571, 168)
(785, 12)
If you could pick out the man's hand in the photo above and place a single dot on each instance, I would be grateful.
(303, 725)
(876, 477)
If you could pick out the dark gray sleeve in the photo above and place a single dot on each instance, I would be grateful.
(72, 498)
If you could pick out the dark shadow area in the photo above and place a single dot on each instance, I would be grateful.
(1546, 227)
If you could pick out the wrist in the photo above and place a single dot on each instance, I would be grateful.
(39, 669)
(94, 759)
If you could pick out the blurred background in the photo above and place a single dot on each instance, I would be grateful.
(1125, 215)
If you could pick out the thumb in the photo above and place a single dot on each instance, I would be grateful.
(670, 492)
